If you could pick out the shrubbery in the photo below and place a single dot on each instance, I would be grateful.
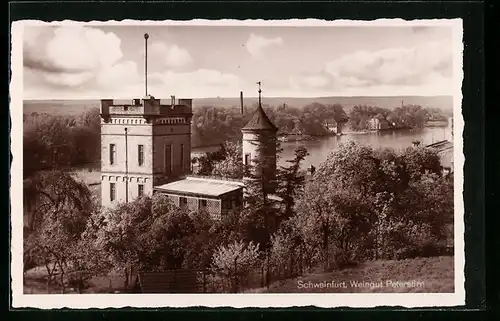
(356, 210)
(361, 204)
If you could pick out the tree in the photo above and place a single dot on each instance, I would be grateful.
(351, 165)
(412, 223)
(207, 162)
(213, 125)
(167, 236)
(60, 141)
(231, 166)
(261, 213)
(261, 178)
(314, 212)
(383, 196)
(231, 227)
(88, 259)
(288, 250)
(57, 208)
(53, 191)
(335, 217)
(420, 160)
(235, 261)
(291, 180)
(118, 232)
(361, 114)
(203, 241)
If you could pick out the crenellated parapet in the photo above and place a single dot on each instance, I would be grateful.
(147, 107)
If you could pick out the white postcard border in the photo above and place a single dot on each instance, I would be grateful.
(85, 301)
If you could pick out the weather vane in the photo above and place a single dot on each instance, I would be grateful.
(260, 91)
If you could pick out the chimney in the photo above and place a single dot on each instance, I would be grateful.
(241, 101)
(172, 101)
(105, 104)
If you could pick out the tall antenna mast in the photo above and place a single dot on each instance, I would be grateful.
(146, 36)
(260, 97)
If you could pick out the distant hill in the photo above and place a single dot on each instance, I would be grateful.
(74, 107)
(59, 107)
(442, 102)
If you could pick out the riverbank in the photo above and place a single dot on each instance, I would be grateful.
(436, 123)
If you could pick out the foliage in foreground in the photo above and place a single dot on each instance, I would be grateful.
(361, 204)
(375, 204)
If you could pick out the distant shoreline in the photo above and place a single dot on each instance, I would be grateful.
(443, 102)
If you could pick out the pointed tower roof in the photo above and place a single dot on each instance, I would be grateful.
(259, 120)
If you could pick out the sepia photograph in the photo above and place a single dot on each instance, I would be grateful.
(237, 163)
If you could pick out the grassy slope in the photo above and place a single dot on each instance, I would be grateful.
(35, 283)
(437, 274)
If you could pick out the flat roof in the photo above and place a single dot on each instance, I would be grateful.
(200, 186)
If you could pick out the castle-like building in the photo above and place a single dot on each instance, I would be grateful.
(146, 148)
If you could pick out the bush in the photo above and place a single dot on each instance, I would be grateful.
(376, 204)
(234, 262)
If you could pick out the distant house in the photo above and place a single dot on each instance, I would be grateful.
(378, 123)
(333, 126)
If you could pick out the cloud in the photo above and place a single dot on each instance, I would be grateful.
(198, 83)
(430, 63)
(310, 81)
(257, 44)
(75, 60)
(122, 81)
(170, 56)
(425, 69)
(119, 74)
(69, 56)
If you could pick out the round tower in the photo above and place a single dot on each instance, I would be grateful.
(259, 144)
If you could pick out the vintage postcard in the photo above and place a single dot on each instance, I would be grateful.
(237, 163)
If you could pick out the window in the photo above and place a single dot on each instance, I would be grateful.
(247, 159)
(183, 202)
(112, 153)
(168, 159)
(140, 190)
(140, 154)
(182, 157)
(112, 191)
(202, 204)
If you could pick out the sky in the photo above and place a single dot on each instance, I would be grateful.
(99, 62)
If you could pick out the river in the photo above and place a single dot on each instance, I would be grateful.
(396, 139)
(320, 148)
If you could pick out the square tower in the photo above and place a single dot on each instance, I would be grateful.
(143, 143)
